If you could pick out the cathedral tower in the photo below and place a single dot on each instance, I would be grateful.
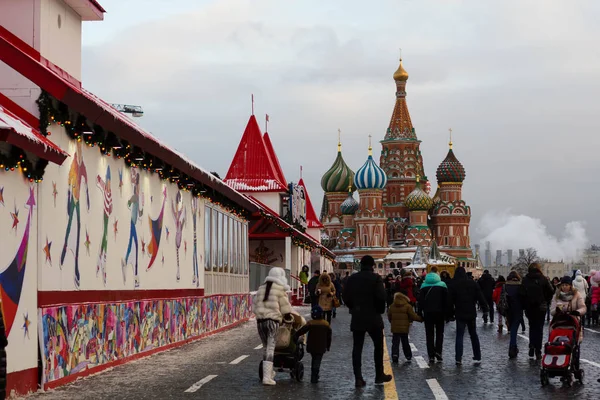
(418, 202)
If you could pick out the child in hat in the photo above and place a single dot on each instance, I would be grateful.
(318, 341)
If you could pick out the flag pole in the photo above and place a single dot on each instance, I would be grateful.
(252, 97)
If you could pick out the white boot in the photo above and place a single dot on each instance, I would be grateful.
(268, 373)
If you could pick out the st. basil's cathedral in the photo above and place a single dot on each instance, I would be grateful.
(395, 219)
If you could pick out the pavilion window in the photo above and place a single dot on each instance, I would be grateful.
(207, 238)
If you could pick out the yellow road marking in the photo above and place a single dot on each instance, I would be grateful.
(389, 389)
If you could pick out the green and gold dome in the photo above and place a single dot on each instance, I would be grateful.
(337, 177)
(418, 200)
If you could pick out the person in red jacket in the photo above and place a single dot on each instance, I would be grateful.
(407, 285)
(496, 298)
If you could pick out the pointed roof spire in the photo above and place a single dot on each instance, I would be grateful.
(274, 159)
(255, 167)
(339, 140)
(400, 127)
(400, 75)
(450, 143)
(311, 216)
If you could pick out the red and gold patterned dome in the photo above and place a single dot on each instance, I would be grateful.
(450, 170)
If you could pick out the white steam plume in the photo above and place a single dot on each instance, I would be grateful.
(505, 230)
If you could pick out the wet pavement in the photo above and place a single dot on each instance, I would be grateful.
(225, 366)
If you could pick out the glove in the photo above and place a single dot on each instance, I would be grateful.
(575, 313)
(558, 310)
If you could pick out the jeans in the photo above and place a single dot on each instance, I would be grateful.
(514, 322)
(327, 315)
(396, 339)
(460, 333)
(490, 304)
(315, 366)
(536, 328)
(357, 347)
(434, 322)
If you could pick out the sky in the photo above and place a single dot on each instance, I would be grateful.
(517, 81)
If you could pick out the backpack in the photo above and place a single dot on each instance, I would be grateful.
(503, 305)
(534, 293)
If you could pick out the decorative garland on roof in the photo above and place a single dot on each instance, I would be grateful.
(78, 128)
(17, 159)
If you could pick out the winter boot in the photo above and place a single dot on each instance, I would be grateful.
(268, 373)
(380, 380)
(512, 352)
(500, 329)
(314, 375)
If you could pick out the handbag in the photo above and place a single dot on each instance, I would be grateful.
(283, 337)
(336, 302)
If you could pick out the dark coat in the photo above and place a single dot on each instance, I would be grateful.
(515, 300)
(364, 295)
(312, 284)
(536, 291)
(435, 301)
(464, 295)
(487, 284)
(319, 336)
(401, 314)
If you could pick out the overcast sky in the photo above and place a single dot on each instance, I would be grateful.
(518, 82)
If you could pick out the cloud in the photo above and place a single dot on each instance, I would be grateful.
(517, 83)
(505, 230)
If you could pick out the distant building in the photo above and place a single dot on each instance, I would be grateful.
(555, 269)
(509, 256)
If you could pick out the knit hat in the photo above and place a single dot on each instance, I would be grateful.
(578, 273)
(277, 275)
(316, 312)
(567, 280)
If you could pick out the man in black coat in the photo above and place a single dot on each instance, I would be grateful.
(487, 285)
(537, 292)
(364, 295)
(464, 295)
(311, 286)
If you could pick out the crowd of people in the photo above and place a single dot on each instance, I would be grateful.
(435, 300)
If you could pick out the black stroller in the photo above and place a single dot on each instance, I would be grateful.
(287, 357)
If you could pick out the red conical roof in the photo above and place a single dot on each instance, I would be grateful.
(311, 216)
(271, 150)
(252, 168)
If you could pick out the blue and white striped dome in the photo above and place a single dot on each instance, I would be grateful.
(370, 176)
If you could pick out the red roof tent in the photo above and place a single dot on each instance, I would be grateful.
(62, 86)
(296, 232)
(253, 168)
(271, 151)
(19, 128)
(311, 216)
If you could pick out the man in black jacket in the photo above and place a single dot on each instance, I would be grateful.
(311, 286)
(537, 292)
(364, 295)
(487, 285)
(464, 295)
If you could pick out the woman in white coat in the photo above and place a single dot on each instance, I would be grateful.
(271, 304)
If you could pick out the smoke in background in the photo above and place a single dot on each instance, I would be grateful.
(508, 231)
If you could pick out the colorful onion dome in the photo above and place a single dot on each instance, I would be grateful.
(400, 74)
(450, 170)
(336, 179)
(349, 206)
(418, 200)
(436, 197)
(370, 175)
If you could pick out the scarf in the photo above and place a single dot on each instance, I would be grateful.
(567, 297)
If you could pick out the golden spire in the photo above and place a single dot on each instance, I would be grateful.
(418, 178)
(339, 140)
(400, 74)
(450, 143)
(370, 148)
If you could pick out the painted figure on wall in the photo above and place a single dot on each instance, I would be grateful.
(195, 211)
(104, 186)
(179, 216)
(77, 174)
(12, 278)
(136, 213)
(156, 231)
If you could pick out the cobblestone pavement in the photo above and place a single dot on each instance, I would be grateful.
(233, 357)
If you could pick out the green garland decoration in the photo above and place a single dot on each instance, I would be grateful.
(17, 159)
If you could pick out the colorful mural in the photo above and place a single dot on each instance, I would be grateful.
(12, 278)
(77, 173)
(76, 337)
(195, 210)
(104, 186)
(156, 231)
(136, 205)
(178, 210)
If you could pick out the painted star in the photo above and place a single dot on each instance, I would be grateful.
(15, 217)
(116, 228)
(47, 251)
(2, 195)
(87, 242)
(121, 180)
(143, 246)
(25, 326)
(54, 192)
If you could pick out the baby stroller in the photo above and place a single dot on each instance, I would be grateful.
(289, 352)
(561, 352)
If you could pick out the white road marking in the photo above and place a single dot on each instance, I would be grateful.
(421, 362)
(590, 362)
(238, 360)
(437, 390)
(524, 337)
(591, 330)
(413, 347)
(260, 346)
(221, 362)
(200, 383)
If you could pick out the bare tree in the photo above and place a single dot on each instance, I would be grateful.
(525, 260)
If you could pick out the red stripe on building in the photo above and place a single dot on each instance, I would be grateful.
(54, 298)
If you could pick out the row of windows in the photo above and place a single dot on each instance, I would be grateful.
(225, 243)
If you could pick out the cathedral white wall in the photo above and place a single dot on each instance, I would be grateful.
(15, 214)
